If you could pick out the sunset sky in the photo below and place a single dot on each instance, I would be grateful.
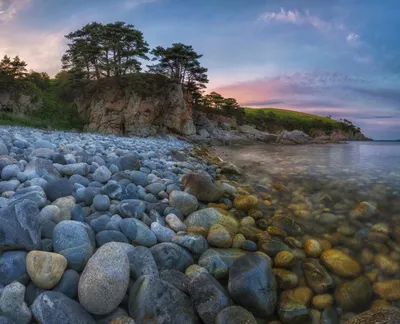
(337, 57)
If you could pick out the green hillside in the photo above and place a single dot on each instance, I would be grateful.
(267, 118)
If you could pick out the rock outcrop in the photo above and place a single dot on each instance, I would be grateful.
(139, 104)
(17, 100)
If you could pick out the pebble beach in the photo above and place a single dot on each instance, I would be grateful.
(107, 229)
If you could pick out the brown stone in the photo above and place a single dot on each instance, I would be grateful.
(341, 263)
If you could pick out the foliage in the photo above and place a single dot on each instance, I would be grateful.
(181, 64)
(40, 79)
(97, 50)
(13, 68)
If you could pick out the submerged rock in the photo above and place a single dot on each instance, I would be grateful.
(252, 284)
(341, 263)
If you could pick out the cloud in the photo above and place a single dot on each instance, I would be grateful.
(10, 8)
(298, 18)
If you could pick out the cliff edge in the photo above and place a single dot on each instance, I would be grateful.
(140, 104)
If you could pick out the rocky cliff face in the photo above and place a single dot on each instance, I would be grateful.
(17, 100)
(139, 104)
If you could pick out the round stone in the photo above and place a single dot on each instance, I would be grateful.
(58, 188)
(183, 201)
(101, 203)
(219, 237)
(246, 202)
(45, 268)
(12, 303)
(341, 263)
(104, 282)
(312, 248)
(102, 174)
(235, 314)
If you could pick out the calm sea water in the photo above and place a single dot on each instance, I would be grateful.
(348, 194)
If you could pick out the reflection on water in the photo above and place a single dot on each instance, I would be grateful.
(344, 196)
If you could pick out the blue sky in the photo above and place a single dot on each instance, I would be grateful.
(339, 57)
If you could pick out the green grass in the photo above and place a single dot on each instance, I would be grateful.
(283, 113)
(269, 119)
(54, 112)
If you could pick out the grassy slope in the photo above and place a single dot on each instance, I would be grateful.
(290, 120)
(54, 112)
(283, 113)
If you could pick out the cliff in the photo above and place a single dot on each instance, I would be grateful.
(18, 98)
(139, 104)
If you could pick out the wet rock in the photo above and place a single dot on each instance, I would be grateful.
(209, 216)
(141, 262)
(68, 284)
(272, 247)
(12, 303)
(218, 261)
(341, 263)
(246, 202)
(208, 296)
(152, 300)
(171, 256)
(284, 259)
(246, 276)
(364, 210)
(45, 268)
(291, 311)
(177, 279)
(286, 279)
(101, 203)
(54, 307)
(354, 295)
(378, 316)
(183, 201)
(219, 237)
(329, 316)
(175, 223)
(73, 240)
(317, 277)
(104, 282)
(387, 289)
(130, 161)
(13, 267)
(58, 188)
(195, 243)
(65, 205)
(301, 294)
(102, 174)
(312, 248)
(287, 224)
(110, 236)
(144, 236)
(322, 301)
(235, 314)
(386, 264)
(19, 226)
(200, 185)
(163, 234)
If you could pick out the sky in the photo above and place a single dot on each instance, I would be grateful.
(337, 57)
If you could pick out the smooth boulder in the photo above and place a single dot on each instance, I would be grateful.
(20, 226)
(104, 282)
(54, 307)
(155, 301)
(252, 284)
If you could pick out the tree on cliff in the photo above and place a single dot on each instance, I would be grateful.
(14, 68)
(181, 64)
(99, 50)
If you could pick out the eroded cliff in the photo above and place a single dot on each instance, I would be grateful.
(140, 104)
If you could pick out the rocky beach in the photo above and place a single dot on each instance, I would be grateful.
(108, 229)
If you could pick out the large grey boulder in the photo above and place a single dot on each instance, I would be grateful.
(152, 300)
(104, 282)
(13, 267)
(208, 296)
(73, 240)
(171, 256)
(12, 303)
(252, 284)
(19, 226)
(54, 307)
